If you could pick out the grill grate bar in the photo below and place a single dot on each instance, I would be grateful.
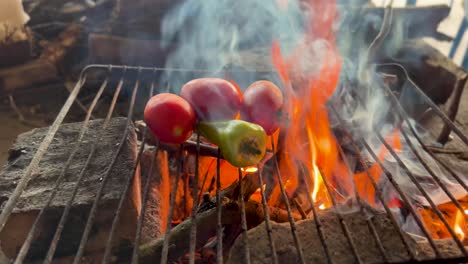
(219, 198)
(362, 209)
(341, 220)
(244, 234)
(92, 213)
(193, 228)
(145, 197)
(402, 113)
(433, 106)
(63, 218)
(317, 221)
(165, 248)
(424, 193)
(428, 169)
(164, 255)
(266, 214)
(292, 224)
(116, 219)
(403, 196)
(34, 164)
(84, 128)
(377, 189)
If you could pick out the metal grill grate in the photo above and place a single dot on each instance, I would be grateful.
(123, 73)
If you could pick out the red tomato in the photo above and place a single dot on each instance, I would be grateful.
(213, 98)
(170, 118)
(262, 105)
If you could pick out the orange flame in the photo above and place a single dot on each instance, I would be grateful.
(362, 182)
(459, 226)
(308, 144)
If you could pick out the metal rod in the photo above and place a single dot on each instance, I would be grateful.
(403, 115)
(123, 197)
(136, 243)
(160, 69)
(34, 164)
(84, 128)
(341, 220)
(431, 104)
(165, 249)
(193, 227)
(362, 209)
(66, 211)
(219, 198)
(460, 86)
(424, 193)
(63, 218)
(292, 224)
(266, 214)
(376, 188)
(403, 196)
(317, 221)
(245, 237)
(106, 177)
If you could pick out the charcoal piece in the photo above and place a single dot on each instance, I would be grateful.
(35, 196)
(336, 241)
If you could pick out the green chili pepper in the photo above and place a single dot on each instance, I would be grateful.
(241, 143)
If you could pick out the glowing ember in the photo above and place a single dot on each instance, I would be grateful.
(251, 169)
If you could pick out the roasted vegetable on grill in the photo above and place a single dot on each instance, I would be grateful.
(213, 99)
(170, 118)
(262, 105)
(241, 143)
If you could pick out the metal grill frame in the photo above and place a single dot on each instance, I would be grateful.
(124, 70)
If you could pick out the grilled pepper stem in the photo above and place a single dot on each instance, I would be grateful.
(241, 143)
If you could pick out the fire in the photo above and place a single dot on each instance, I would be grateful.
(251, 169)
(309, 145)
(361, 180)
(459, 226)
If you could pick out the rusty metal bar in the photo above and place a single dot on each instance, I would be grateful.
(123, 197)
(402, 113)
(424, 193)
(193, 228)
(244, 234)
(362, 209)
(341, 220)
(266, 214)
(317, 221)
(292, 224)
(84, 128)
(106, 177)
(403, 196)
(428, 100)
(66, 211)
(412, 177)
(219, 198)
(136, 243)
(377, 189)
(165, 249)
(34, 164)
